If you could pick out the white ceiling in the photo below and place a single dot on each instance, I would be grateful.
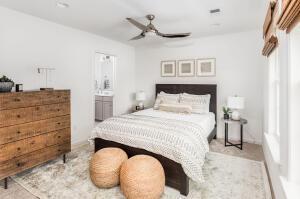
(107, 17)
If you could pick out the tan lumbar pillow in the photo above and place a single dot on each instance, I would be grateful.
(175, 108)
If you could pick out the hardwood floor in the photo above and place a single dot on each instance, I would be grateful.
(250, 151)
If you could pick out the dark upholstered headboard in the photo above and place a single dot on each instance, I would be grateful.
(196, 89)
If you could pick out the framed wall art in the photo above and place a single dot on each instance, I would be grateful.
(206, 67)
(186, 68)
(168, 68)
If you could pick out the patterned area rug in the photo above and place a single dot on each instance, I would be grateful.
(227, 177)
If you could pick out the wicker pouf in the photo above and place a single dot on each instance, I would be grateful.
(105, 167)
(142, 176)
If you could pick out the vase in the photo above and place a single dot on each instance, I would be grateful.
(226, 116)
(6, 86)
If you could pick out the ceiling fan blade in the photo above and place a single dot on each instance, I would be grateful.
(176, 35)
(138, 37)
(137, 24)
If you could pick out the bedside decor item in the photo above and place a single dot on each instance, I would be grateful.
(206, 67)
(140, 97)
(142, 176)
(19, 87)
(186, 68)
(168, 68)
(105, 167)
(47, 72)
(235, 103)
(226, 112)
(6, 84)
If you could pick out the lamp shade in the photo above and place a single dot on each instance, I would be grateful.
(235, 102)
(140, 96)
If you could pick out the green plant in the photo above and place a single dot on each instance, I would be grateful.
(226, 110)
(6, 79)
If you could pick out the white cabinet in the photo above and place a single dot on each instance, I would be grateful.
(103, 107)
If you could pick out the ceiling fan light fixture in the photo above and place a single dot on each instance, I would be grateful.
(150, 33)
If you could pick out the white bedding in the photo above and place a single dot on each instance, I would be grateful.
(179, 137)
(207, 120)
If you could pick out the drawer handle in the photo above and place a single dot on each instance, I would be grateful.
(59, 136)
(18, 116)
(18, 132)
(19, 164)
(59, 150)
(58, 123)
(58, 109)
(17, 100)
(33, 142)
(37, 108)
(19, 148)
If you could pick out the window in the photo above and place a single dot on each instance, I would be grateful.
(274, 94)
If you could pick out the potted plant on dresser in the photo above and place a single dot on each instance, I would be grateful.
(6, 84)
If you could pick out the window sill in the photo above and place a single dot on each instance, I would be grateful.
(292, 190)
(274, 147)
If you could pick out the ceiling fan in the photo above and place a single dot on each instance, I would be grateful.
(151, 30)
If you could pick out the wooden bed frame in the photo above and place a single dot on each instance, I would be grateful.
(175, 176)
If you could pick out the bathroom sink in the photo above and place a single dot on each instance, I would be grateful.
(105, 93)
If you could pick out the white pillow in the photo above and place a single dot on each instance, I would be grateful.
(163, 97)
(176, 108)
(199, 103)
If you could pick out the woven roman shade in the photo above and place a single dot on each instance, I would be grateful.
(290, 15)
(269, 29)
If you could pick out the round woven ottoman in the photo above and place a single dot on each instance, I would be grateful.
(142, 176)
(105, 167)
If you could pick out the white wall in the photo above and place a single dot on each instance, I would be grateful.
(294, 106)
(239, 71)
(27, 42)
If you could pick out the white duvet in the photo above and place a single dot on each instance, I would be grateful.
(179, 137)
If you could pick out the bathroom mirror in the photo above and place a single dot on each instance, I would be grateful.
(104, 74)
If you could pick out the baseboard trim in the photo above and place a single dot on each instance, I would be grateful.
(79, 144)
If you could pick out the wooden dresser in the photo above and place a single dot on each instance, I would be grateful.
(34, 128)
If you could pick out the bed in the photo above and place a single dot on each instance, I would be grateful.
(175, 172)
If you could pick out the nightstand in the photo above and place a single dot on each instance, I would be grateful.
(240, 122)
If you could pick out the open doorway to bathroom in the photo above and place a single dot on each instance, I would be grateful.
(104, 86)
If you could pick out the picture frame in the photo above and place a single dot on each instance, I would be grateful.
(186, 68)
(206, 67)
(168, 68)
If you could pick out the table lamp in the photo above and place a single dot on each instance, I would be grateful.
(235, 103)
(140, 97)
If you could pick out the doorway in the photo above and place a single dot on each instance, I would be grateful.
(104, 83)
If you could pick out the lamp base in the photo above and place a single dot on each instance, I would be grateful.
(141, 105)
(235, 115)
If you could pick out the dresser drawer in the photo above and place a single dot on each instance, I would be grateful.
(21, 147)
(18, 100)
(22, 131)
(59, 137)
(16, 116)
(34, 98)
(54, 97)
(30, 160)
(50, 111)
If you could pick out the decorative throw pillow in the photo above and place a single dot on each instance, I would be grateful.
(199, 103)
(163, 97)
(176, 108)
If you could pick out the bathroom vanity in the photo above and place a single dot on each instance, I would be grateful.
(103, 107)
